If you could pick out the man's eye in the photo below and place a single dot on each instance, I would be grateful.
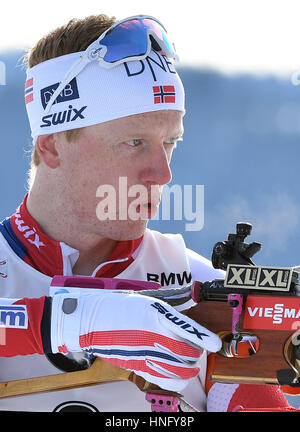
(173, 141)
(134, 142)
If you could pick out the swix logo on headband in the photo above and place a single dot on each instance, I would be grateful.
(62, 117)
(272, 313)
(70, 92)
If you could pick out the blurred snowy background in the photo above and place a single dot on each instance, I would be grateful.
(240, 63)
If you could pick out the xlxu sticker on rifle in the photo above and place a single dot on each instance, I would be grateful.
(258, 277)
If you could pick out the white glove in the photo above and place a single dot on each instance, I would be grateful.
(132, 331)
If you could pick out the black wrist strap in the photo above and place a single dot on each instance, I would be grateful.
(46, 326)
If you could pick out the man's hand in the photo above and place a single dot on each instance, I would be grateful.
(132, 331)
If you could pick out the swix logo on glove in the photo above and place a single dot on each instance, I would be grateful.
(177, 320)
(270, 313)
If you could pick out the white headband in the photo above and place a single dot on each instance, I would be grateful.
(98, 95)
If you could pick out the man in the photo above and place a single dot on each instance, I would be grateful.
(104, 106)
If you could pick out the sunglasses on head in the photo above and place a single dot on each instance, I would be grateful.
(128, 40)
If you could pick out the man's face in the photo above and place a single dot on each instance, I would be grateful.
(102, 168)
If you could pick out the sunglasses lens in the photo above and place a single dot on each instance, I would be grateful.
(160, 34)
(129, 39)
(125, 40)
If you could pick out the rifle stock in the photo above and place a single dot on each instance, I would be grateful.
(99, 372)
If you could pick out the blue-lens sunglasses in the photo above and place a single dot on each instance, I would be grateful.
(127, 40)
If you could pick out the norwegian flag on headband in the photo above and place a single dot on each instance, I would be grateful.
(164, 94)
(29, 91)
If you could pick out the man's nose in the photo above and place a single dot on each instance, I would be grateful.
(157, 169)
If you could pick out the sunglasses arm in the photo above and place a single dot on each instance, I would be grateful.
(76, 68)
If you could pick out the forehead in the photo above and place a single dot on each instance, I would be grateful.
(163, 117)
(164, 122)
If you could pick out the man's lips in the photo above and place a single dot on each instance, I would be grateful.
(147, 210)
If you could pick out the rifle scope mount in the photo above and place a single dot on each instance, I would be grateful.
(234, 250)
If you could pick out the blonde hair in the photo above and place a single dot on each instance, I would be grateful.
(75, 36)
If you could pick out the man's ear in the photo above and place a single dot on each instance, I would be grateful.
(46, 147)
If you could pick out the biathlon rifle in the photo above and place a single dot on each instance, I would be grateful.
(256, 312)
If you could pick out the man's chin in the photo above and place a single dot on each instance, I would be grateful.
(136, 232)
(127, 231)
